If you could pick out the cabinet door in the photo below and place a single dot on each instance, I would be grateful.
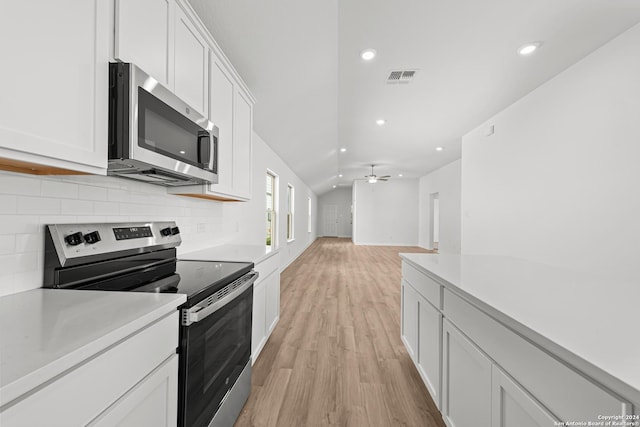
(466, 381)
(221, 114)
(409, 314)
(258, 326)
(514, 407)
(242, 130)
(143, 29)
(191, 52)
(429, 347)
(272, 309)
(151, 403)
(54, 82)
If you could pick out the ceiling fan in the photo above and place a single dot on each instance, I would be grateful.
(372, 179)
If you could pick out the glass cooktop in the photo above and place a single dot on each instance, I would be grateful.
(198, 279)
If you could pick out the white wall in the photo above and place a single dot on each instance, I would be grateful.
(255, 230)
(341, 197)
(27, 202)
(558, 181)
(445, 181)
(386, 213)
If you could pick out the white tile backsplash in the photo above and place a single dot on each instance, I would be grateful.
(58, 189)
(8, 204)
(38, 205)
(29, 202)
(7, 244)
(77, 207)
(91, 192)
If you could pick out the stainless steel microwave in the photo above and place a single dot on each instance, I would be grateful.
(154, 136)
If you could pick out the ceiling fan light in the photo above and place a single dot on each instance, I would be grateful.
(372, 180)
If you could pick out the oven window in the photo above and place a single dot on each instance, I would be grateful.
(218, 348)
(164, 130)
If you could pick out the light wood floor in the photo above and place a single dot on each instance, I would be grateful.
(335, 357)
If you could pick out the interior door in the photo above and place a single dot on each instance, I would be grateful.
(330, 214)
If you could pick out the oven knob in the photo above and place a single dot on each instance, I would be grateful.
(74, 239)
(166, 231)
(92, 237)
(175, 230)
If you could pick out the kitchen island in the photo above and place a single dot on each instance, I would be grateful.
(71, 357)
(498, 339)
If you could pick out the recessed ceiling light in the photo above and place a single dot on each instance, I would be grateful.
(182, 152)
(381, 122)
(342, 150)
(529, 48)
(439, 148)
(400, 174)
(339, 175)
(368, 54)
(334, 186)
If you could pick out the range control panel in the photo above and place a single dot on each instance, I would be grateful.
(124, 233)
(74, 241)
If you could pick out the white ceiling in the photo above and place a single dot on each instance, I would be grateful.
(315, 95)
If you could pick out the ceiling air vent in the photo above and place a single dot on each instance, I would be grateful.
(401, 76)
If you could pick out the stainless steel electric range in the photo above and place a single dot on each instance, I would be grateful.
(215, 326)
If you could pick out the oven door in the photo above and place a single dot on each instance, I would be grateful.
(215, 346)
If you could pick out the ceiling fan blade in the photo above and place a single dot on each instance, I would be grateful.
(384, 177)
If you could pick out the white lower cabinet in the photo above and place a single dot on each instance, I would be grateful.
(151, 403)
(466, 381)
(410, 319)
(488, 375)
(477, 393)
(512, 406)
(266, 303)
(272, 301)
(430, 347)
(259, 320)
(132, 383)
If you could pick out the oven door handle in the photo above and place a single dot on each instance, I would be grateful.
(209, 306)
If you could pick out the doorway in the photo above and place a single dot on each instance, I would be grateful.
(330, 215)
(434, 220)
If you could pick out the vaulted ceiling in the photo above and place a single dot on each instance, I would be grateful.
(315, 95)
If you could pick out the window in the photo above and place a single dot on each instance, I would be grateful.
(309, 217)
(271, 210)
(290, 212)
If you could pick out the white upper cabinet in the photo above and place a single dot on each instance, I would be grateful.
(221, 114)
(54, 85)
(160, 37)
(190, 80)
(143, 35)
(242, 130)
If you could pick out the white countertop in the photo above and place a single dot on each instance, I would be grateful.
(239, 253)
(44, 332)
(590, 321)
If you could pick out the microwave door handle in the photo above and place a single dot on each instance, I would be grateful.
(204, 150)
(213, 160)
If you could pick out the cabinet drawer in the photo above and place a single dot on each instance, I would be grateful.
(98, 383)
(268, 266)
(567, 394)
(426, 286)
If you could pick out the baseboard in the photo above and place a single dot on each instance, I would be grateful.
(413, 244)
